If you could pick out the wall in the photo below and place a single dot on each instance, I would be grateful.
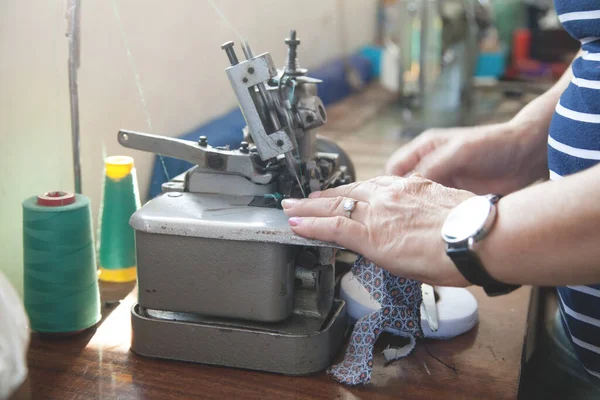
(35, 136)
(175, 47)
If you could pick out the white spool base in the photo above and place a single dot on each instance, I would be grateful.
(457, 308)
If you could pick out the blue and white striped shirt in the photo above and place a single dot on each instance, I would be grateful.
(574, 145)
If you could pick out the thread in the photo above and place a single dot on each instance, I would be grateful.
(137, 80)
(224, 19)
(60, 281)
(120, 199)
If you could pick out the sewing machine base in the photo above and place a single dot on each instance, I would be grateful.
(300, 345)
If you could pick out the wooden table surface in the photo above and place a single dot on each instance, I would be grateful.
(98, 364)
(486, 362)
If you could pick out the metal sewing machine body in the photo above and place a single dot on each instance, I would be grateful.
(222, 278)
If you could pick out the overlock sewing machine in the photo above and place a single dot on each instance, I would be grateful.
(222, 278)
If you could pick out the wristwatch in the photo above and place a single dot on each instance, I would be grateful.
(465, 226)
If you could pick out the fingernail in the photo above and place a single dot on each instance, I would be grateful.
(295, 221)
(289, 203)
(314, 195)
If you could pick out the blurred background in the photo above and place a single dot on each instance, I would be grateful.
(390, 70)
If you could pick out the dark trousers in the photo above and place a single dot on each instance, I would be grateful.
(554, 372)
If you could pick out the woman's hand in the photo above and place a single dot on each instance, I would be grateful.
(497, 158)
(396, 223)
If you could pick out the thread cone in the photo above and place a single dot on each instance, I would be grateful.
(120, 199)
(60, 286)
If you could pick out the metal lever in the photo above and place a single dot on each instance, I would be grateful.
(429, 307)
(206, 157)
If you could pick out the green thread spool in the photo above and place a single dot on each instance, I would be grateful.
(60, 278)
(120, 199)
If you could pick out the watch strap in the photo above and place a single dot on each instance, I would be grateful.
(472, 269)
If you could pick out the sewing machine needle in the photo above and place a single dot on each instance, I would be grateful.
(291, 163)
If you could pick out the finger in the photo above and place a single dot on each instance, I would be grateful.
(358, 191)
(324, 207)
(439, 167)
(345, 232)
(405, 159)
(384, 180)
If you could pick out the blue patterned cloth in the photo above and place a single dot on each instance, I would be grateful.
(400, 301)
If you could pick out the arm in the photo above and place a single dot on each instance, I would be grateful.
(533, 121)
(498, 158)
(548, 234)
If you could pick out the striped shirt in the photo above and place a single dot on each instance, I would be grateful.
(574, 145)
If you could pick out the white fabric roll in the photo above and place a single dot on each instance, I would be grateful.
(456, 307)
(14, 340)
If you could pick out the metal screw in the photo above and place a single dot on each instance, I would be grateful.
(280, 143)
(228, 47)
(292, 43)
(309, 119)
(215, 161)
(244, 148)
(203, 141)
(292, 67)
(251, 70)
(245, 80)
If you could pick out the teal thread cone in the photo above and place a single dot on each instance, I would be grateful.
(60, 278)
(120, 199)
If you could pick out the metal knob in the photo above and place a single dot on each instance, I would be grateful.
(292, 67)
(203, 141)
(292, 41)
(228, 47)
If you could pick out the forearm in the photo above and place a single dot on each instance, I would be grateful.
(548, 234)
(537, 114)
(528, 130)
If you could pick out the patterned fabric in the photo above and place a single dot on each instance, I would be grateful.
(573, 146)
(400, 301)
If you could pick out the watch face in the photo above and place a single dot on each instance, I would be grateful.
(467, 220)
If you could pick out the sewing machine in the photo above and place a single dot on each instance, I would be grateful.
(222, 278)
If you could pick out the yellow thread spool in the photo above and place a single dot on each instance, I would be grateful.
(120, 199)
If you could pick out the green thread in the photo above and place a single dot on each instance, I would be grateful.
(60, 279)
(274, 196)
(117, 238)
(291, 95)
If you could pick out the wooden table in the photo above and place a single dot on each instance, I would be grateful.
(98, 364)
(486, 362)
